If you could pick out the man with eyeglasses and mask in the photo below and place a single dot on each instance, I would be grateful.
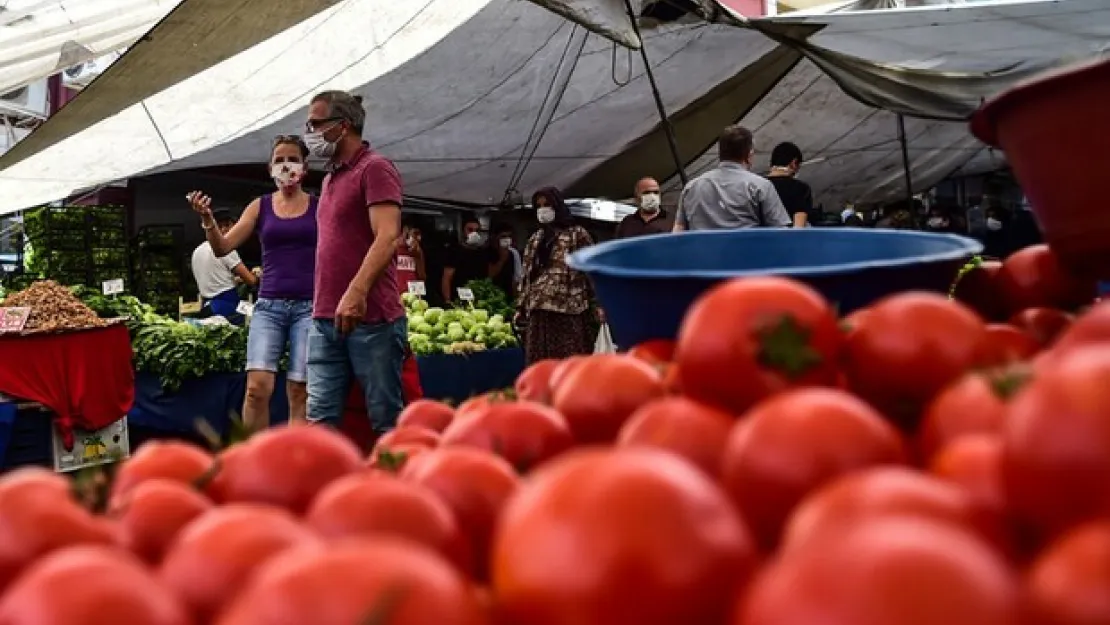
(649, 218)
(470, 260)
(359, 323)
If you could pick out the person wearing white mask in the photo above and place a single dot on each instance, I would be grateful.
(554, 302)
(507, 268)
(472, 259)
(285, 221)
(649, 218)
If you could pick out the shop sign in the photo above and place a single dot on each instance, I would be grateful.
(108, 444)
(14, 318)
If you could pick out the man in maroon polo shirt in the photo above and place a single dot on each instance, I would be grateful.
(358, 322)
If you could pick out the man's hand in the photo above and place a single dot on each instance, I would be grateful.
(350, 311)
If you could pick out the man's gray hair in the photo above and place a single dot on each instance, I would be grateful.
(345, 106)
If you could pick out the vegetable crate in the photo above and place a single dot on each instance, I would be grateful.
(77, 244)
(158, 253)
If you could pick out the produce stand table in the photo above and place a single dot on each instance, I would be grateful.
(84, 378)
(214, 398)
(457, 377)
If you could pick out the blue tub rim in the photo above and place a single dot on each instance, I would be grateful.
(586, 261)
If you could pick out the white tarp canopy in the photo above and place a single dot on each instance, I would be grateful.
(473, 97)
(43, 37)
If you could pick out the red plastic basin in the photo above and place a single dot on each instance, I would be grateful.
(1055, 132)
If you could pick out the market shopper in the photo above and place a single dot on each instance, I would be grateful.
(730, 196)
(554, 302)
(649, 218)
(507, 269)
(285, 221)
(218, 273)
(470, 259)
(358, 322)
(410, 258)
(796, 196)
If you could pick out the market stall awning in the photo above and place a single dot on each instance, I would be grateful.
(474, 97)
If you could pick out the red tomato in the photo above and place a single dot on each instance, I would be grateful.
(853, 320)
(791, 444)
(1056, 463)
(90, 585)
(215, 554)
(226, 464)
(373, 505)
(654, 352)
(287, 466)
(524, 433)
(38, 516)
(1032, 277)
(750, 338)
(1070, 583)
(974, 404)
(974, 463)
(682, 426)
(481, 402)
(408, 435)
(909, 347)
(563, 370)
(475, 484)
(887, 571)
(1042, 324)
(885, 492)
(151, 514)
(1005, 345)
(1092, 326)
(534, 383)
(625, 536)
(391, 460)
(601, 392)
(172, 460)
(379, 580)
(979, 290)
(427, 413)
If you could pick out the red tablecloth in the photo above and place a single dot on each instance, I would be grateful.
(85, 378)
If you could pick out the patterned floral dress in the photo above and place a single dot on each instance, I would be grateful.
(555, 304)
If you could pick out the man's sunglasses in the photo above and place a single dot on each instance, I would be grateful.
(313, 125)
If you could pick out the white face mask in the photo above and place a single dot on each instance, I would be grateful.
(319, 146)
(545, 214)
(649, 202)
(937, 222)
(993, 224)
(506, 242)
(474, 238)
(287, 174)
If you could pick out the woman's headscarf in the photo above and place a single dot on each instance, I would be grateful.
(563, 220)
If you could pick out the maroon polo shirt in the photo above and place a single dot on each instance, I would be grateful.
(352, 189)
(635, 225)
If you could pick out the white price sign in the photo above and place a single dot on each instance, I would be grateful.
(245, 308)
(465, 294)
(113, 287)
(416, 287)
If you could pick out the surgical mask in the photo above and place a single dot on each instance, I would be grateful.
(993, 224)
(649, 202)
(937, 222)
(287, 174)
(319, 146)
(506, 242)
(545, 214)
(474, 238)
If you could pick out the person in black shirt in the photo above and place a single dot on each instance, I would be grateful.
(470, 260)
(506, 269)
(650, 218)
(796, 196)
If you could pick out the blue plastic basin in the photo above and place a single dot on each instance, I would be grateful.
(647, 283)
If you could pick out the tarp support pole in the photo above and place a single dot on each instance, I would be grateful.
(667, 128)
(905, 161)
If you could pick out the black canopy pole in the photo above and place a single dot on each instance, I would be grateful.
(667, 128)
(905, 161)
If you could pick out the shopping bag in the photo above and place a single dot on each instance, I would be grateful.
(604, 343)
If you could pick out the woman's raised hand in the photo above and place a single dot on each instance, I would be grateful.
(201, 204)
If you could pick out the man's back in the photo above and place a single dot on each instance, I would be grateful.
(730, 197)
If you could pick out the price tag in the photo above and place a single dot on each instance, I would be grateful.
(112, 287)
(91, 448)
(416, 287)
(406, 263)
(245, 308)
(14, 318)
(465, 294)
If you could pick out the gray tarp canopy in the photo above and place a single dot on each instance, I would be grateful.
(460, 92)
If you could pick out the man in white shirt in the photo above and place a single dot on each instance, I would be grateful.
(217, 278)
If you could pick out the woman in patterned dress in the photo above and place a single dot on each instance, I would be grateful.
(554, 301)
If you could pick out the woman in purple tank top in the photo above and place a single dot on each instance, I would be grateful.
(285, 221)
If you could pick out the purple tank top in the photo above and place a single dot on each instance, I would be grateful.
(288, 252)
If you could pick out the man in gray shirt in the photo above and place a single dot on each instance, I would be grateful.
(731, 196)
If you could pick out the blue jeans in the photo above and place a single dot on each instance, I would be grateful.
(374, 353)
(274, 323)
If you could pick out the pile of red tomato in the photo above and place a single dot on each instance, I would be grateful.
(912, 464)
